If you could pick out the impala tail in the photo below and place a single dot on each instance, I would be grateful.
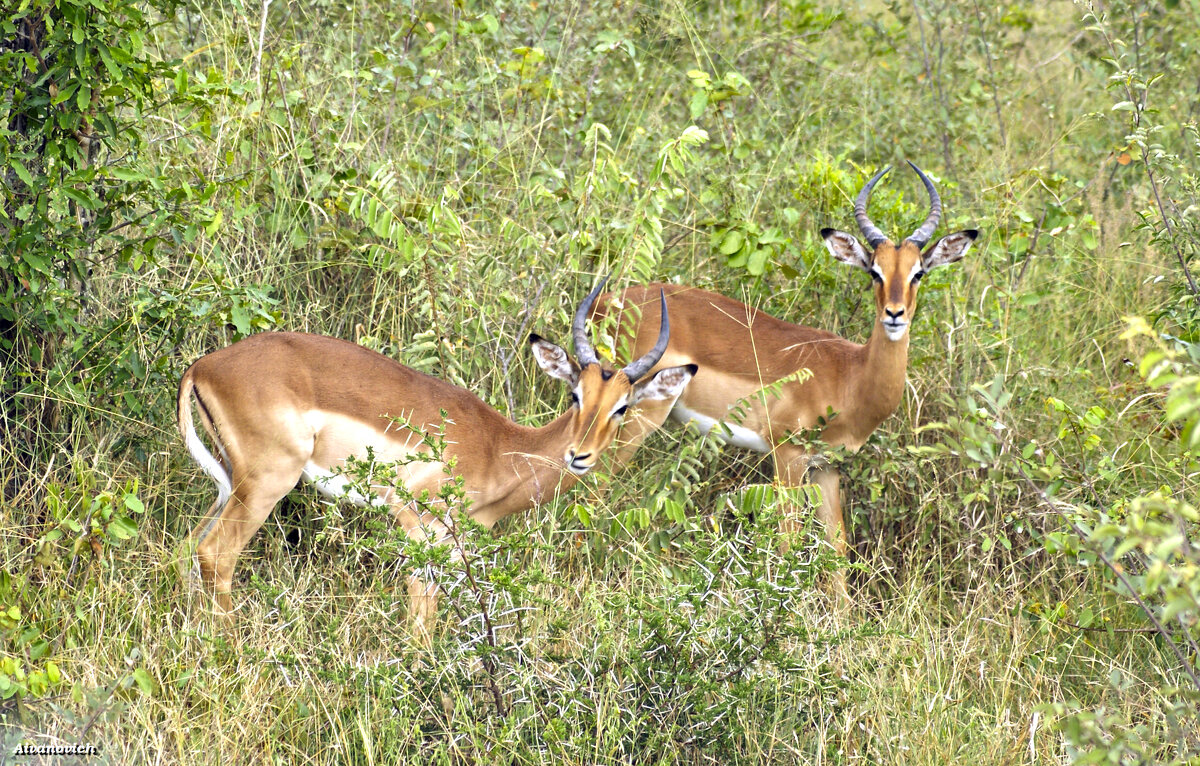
(214, 467)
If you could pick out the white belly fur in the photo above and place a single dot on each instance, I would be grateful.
(335, 486)
(346, 434)
(730, 433)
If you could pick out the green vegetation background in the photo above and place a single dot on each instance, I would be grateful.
(435, 180)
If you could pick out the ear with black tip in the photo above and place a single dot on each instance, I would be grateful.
(553, 359)
(666, 385)
(948, 249)
(847, 249)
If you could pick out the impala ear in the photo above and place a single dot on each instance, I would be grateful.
(556, 362)
(847, 249)
(666, 385)
(948, 249)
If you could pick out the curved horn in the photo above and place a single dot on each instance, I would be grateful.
(869, 230)
(922, 235)
(583, 344)
(640, 367)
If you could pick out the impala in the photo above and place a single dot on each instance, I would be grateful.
(282, 407)
(742, 351)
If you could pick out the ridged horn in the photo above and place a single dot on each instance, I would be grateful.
(869, 230)
(921, 236)
(640, 367)
(583, 344)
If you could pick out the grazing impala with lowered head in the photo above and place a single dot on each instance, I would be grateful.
(285, 407)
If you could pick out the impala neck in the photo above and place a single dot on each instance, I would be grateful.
(881, 385)
(533, 466)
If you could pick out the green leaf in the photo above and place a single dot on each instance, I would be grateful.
(240, 318)
(1190, 435)
(581, 511)
(772, 236)
(133, 503)
(127, 174)
(693, 136)
(1168, 546)
(732, 242)
(1149, 361)
(1180, 407)
(1175, 606)
(122, 528)
(83, 198)
(22, 172)
(438, 42)
(143, 680)
(215, 223)
(114, 71)
(758, 261)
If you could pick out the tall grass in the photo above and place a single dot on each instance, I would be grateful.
(430, 181)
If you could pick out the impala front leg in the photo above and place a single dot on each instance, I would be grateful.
(792, 464)
(422, 609)
(422, 593)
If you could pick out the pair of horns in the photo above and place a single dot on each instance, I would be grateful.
(587, 354)
(872, 233)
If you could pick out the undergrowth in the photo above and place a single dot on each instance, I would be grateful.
(436, 180)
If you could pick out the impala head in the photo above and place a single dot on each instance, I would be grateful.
(600, 397)
(897, 269)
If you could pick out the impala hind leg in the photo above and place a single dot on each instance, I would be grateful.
(188, 562)
(792, 464)
(228, 533)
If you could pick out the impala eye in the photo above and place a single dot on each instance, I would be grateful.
(620, 411)
(917, 277)
(574, 399)
(876, 276)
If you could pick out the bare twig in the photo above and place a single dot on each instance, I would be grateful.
(262, 33)
(987, 50)
(1095, 629)
(937, 83)
(506, 357)
(1187, 273)
(1139, 103)
(489, 662)
(1037, 233)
